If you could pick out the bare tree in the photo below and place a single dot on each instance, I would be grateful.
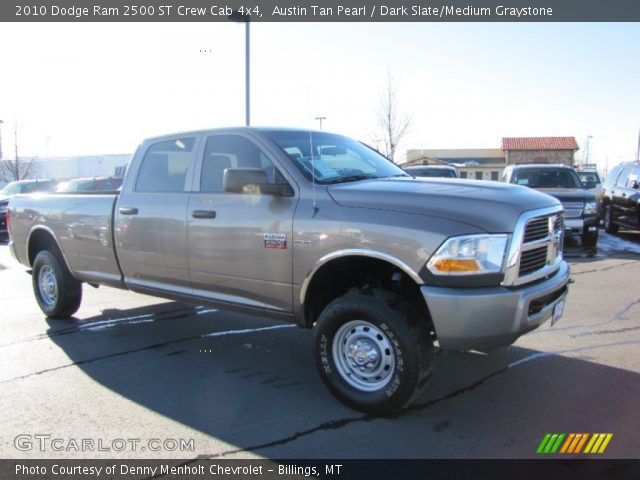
(392, 124)
(16, 169)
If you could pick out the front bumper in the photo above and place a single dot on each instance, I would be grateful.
(489, 317)
(576, 226)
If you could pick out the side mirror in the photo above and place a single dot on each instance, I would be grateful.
(634, 185)
(253, 181)
(590, 184)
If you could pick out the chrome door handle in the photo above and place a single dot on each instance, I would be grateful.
(128, 210)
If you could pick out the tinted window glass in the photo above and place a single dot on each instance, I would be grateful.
(164, 166)
(547, 178)
(232, 151)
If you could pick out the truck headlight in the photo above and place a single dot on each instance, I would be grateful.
(591, 208)
(469, 255)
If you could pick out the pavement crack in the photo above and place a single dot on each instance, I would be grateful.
(605, 269)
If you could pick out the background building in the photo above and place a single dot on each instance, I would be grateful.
(540, 150)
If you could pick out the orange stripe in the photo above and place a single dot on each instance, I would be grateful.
(574, 443)
(606, 442)
(584, 439)
(567, 442)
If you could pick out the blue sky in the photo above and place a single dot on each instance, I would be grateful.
(101, 88)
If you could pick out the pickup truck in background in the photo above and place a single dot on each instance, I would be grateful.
(581, 210)
(316, 229)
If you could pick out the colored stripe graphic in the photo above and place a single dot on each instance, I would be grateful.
(555, 443)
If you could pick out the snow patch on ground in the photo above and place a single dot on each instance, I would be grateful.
(611, 243)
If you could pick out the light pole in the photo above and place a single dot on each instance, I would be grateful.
(238, 17)
(320, 119)
(585, 157)
(1, 122)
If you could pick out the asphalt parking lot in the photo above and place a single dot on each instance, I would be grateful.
(223, 385)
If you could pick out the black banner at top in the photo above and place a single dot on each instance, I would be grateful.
(320, 11)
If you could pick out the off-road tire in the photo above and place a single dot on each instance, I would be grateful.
(395, 331)
(609, 226)
(589, 239)
(57, 292)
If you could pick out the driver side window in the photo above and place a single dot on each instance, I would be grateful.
(232, 151)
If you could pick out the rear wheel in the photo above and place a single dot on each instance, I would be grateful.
(371, 353)
(609, 226)
(57, 292)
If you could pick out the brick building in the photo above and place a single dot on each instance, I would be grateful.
(539, 150)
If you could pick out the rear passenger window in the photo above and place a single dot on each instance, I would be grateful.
(164, 166)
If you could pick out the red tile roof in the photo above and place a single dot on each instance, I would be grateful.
(539, 143)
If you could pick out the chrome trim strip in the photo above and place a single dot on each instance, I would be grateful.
(356, 252)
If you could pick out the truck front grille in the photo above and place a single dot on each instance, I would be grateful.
(573, 209)
(536, 251)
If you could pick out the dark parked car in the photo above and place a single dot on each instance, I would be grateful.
(96, 184)
(442, 171)
(581, 216)
(14, 188)
(620, 199)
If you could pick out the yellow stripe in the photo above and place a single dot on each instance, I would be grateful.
(606, 442)
(574, 443)
(584, 439)
(590, 444)
(596, 446)
(567, 442)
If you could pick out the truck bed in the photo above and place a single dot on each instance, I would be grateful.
(82, 223)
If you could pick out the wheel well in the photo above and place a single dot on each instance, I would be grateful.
(38, 241)
(343, 274)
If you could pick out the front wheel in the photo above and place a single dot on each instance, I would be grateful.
(57, 291)
(589, 239)
(370, 352)
(609, 226)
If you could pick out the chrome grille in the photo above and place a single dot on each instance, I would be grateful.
(536, 249)
(573, 209)
(532, 260)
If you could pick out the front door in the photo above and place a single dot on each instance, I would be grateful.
(240, 247)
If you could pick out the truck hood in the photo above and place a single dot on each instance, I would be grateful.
(490, 206)
(570, 194)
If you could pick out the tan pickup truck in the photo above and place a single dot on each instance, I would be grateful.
(312, 228)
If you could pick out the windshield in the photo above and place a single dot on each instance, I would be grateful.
(547, 178)
(589, 177)
(332, 158)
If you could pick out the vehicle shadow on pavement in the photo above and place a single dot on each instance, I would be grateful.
(251, 383)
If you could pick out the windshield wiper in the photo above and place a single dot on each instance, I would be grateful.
(353, 178)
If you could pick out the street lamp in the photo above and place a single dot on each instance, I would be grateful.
(1, 122)
(238, 17)
(586, 150)
(320, 119)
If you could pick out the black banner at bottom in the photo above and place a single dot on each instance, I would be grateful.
(209, 469)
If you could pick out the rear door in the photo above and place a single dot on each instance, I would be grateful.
(151, 228)
(240, 248)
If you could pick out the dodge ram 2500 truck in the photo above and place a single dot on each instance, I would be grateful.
(312, 228)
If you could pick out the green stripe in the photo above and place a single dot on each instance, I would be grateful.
(558, 442)
(543, 443)
(550, 444)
